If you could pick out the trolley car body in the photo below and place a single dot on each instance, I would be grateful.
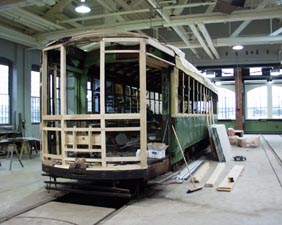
(106, 95)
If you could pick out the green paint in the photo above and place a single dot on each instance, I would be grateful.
(263, 126)
(190, 130)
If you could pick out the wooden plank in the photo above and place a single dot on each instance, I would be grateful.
(229, 181)
(214, 176)
(200, 173)
(74, 139)
(122, 129)
(143, 105)
(102, 102)
(122, 51)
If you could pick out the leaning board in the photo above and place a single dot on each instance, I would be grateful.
(222, 145)
(229, 181)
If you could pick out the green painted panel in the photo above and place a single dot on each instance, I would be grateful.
(263, 126)
(190, 130)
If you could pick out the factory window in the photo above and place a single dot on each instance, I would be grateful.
(35, 95)
(276, 102)
(257, 103)
(5, 98)
(227, 72)
(226, 104)
(255, 71)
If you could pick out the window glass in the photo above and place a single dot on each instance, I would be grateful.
(276, 102)
(35, 97)
(257, 103)
(227, 72)
(4, 95)
(226, 104)
(255, 71)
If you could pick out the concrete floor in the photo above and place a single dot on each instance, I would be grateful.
(255, 199)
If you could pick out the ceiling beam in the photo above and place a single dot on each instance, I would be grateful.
(240, 15)
(206, 35)
(201, 40)
(11, 4)
(136, 11)
(30, 20)
(175, 21)
(228, 42)
(275, 33)
(17, 37)
(180, 32)
(243, 25)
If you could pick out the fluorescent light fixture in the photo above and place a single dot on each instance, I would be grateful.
(237, 47)
(82, 8)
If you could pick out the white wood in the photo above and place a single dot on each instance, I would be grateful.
(123, 39)
(83, 150)
(43, 101)
(58, 46)
(161, 61)
(161, 47)
(51, 117)
(123, 129)
(215, 175)
(123, 159)
(201, 172)
(83, 129)
(102, 102)
(229, 181)
(115, 167)
(51, 129)
(174, 91)
(63, 98)
(121, 51)
(143, 106)
(73, 139)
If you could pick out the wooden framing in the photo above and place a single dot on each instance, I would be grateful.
(85, 135)
(143, 108)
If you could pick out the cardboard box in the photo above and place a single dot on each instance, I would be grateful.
(233, 140)
(230, 132)
(157, 150)
(250, 142)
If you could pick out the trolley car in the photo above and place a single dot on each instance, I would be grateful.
(108, 96)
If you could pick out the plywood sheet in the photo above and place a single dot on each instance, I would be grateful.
(222, 145)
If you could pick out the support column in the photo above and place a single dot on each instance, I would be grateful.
(239, 99)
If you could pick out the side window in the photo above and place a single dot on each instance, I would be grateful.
(226, 104)
(257, 103)
(35, 94)
(5, 92)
